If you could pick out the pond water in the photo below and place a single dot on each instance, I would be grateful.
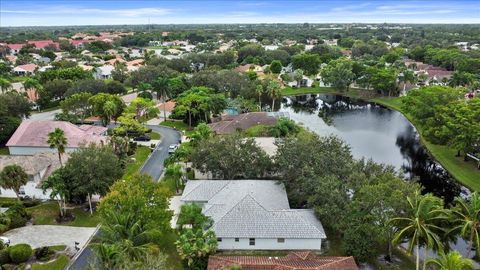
(378, 133)
(375, 132)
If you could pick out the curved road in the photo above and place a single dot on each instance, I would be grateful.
(154, 165)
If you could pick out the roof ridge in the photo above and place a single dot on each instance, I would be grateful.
(205, 181)
(308, 221)
(234, 206)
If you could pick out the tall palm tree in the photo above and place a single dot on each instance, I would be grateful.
(406, 76)
(466, 220)
(56, 139)
(174, 171)
(13, 177)
(420, 225)
(273, 90)
(161, 86)
(5, 85)
(259, 92)
(109, 110)
(32, 84)
(451, 261)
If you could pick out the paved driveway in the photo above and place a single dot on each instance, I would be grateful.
(50, 235)
(154, 165)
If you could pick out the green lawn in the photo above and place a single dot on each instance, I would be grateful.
(154, 135)
(465, 172)
(141, 155)
(4, 151)
(59, 264)
(45, 214)
(58, 248)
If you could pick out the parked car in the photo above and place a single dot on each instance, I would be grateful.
(142, 138)
(5, 240)
(172, 148)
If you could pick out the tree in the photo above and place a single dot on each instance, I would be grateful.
(339, 74)
(161, 86)
(451, 261)
(92, 170)
(58, 190)
(78, 105)
(231, 157)
(466, 220)
(87, 85)
(57, 140)
(405, 77)
(143, 109)
(32, 84)
(298, 76)
(191, 214)
(5, 84)
(420, 225)
(120, 72)
(54, 89)
(13, 177)
(276, 67)
(175, 172)
(384, 80)
(274, 91)
(116, 88)
(200, 133)
(14, 104)
(194, 246)
(106, 106)
(259, 92)
(310, 63)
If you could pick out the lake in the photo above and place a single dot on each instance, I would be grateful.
(373, 132)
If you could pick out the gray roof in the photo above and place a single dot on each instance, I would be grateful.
(252, 209)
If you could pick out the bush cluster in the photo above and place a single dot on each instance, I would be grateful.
(20, 253)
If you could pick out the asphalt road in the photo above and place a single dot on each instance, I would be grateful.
(154, 165)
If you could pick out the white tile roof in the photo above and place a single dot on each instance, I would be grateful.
(252, 209)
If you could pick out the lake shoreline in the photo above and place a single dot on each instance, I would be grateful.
(463, 172)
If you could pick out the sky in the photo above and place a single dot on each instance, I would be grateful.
(89, 12)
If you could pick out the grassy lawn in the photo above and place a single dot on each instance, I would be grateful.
(45, 214)
(178, 125)
(58, 248)
(140, 156)
(59, 264)
(4, 151)
(154, 135)
(465, 172)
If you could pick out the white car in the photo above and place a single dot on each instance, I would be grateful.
(172, 148)
(5, 241)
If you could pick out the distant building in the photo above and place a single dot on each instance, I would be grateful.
(293, 261)
(254, 215)
(103, 72)
(31, 136)
(27, 69)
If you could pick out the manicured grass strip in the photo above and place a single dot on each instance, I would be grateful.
(59, 264)
(141, 155)
(4, 151)
(178, 125)
(45, 214)
(154, 135)
(58, 248)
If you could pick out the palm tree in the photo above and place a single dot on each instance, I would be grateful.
(259, 92)
(107, 254)
(13, 177)
(451, 261)
(466, 220)
(298, 75)
(174, 171)
(406, 76)
(109, 110)
(56, 139)
(161, 86)
(273, 90)
(420, 225)
(5, 84)
(32, 84)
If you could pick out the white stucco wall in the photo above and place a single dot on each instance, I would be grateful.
(31, 190)
(270, 244)
(28, 151)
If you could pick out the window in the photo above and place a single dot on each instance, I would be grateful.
(21, 191)
(280, 240)
(237, 240)
(219, 239)
(251, 241)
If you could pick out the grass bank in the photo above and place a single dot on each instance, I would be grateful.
(58, 264)
(45, 214)
(465, 172)
(141, 154)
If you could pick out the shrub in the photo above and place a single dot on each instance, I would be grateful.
(43, 253)
(18, 216)
(20, 253)
(4, 256)
(5, 222)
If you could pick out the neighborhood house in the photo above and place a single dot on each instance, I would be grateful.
(254, 215)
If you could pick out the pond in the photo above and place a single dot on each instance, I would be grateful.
(378, 133)
(373, 132)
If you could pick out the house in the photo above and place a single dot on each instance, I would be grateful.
(293, 261)
(229, 124)
(15, 48)
(254, 215)
(31, 136)
(25, 69)
(103, 72)
(42, 44)
(38, 168)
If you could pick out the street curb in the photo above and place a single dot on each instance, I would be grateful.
(150, 155)
(75, 257)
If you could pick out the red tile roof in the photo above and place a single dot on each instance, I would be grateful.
(40, 44)
(35, 134)
(28, 67)
(293, 261)
(15, 46)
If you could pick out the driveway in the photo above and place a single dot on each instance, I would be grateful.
(44, 115)
(154, 165)
(50, 235)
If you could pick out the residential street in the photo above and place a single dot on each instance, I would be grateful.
(154, 165)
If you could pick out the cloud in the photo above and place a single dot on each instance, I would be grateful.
(61, 10)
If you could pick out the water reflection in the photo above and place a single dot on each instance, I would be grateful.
(374, 132)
